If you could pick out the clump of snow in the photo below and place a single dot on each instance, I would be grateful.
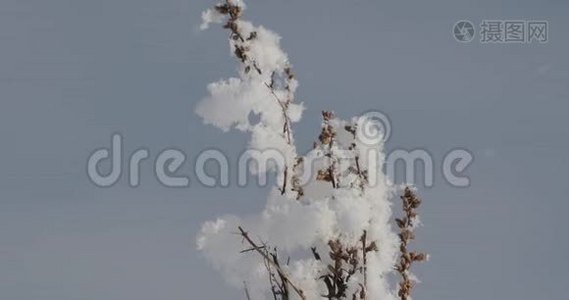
(291, 225)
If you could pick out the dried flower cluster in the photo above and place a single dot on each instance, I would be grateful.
(326, 138)
(407, 225)
(346, 262)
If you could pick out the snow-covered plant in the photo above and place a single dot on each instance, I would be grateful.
(326, 231)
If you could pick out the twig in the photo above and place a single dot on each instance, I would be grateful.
(364, 254)
(285, 277)
(246, 291)
(241, 48)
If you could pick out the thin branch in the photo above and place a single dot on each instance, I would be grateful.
(246, 290)
(364, 253)
(266, 256)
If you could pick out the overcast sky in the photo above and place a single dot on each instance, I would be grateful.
(73, 72)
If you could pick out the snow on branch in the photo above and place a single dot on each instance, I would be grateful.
(265, 87)
(325, 214)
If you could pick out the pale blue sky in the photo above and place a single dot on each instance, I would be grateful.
(72, 72)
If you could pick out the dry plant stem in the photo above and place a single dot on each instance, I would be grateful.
(410, 204)
(327, 138)
(246, 291)
(271, 261)
(364, 254)
(345, 263)
(347, 259)
(279, 286)
(356, 168)
(241, 51)
(276, 287)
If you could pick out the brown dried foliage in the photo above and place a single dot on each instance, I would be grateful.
(406, 226)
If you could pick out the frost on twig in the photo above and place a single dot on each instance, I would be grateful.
(326, 214)
(266, 87)
(271, 260)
